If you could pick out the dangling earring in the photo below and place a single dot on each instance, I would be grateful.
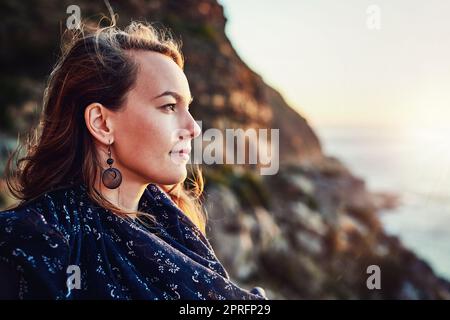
(111, 177)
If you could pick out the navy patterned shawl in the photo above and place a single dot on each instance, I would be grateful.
(118, 258)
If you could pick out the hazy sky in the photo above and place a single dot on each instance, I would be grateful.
(336, 70)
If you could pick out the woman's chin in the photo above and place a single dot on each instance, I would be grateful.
(175, 176)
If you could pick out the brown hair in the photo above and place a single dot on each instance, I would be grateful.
(94, 67)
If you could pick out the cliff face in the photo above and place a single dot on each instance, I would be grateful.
(310, 231)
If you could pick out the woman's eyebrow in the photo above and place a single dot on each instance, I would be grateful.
(176, 95)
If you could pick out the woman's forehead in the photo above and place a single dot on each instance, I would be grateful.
(158, 73)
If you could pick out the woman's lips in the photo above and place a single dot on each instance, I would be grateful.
(181, 151)
(183, 154)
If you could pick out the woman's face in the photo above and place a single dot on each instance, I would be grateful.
(155, 123)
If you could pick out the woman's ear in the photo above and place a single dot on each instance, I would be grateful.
(99, 123)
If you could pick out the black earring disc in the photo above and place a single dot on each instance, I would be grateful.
(112, 178)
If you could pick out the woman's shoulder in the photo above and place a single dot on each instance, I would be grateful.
(26, 219)
(44, 211)
(34, 249)
(46, 218)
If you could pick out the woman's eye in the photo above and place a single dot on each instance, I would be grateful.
(170, 107)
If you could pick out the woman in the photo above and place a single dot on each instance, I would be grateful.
(104, 213)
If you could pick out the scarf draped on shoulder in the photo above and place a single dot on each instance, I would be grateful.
(63, 246)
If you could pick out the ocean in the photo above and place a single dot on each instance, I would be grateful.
(412, 163)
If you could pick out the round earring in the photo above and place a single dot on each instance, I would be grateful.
(111, 177)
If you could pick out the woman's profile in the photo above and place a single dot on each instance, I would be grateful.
(104, 213)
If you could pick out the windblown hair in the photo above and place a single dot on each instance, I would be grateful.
(94, 67)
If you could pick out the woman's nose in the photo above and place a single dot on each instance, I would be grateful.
(196, 130)
(192, 131)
